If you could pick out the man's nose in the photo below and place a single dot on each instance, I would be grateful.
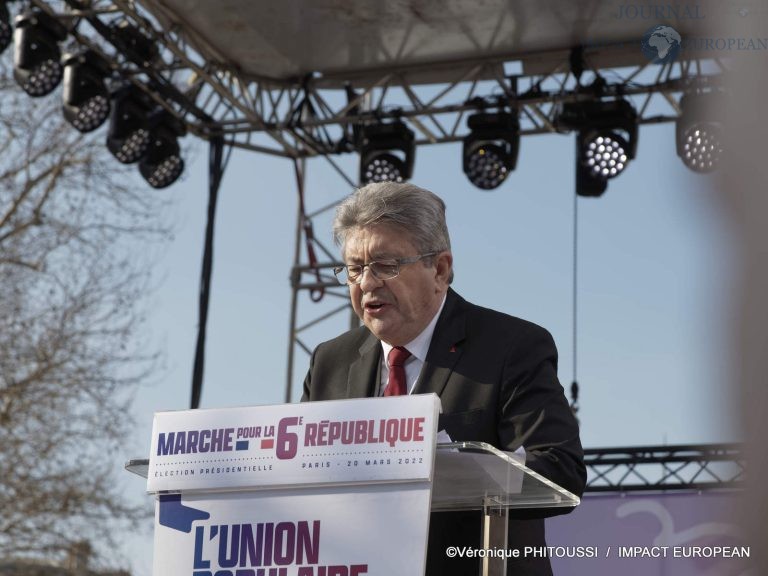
(368, 281)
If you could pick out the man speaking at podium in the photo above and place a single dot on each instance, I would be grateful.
(496, 375)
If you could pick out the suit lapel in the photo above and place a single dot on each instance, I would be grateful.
(363, 372)
(444, 350)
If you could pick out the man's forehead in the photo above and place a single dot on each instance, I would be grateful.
(380, 240)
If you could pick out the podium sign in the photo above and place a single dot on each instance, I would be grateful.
(331, 532)
(318, 489)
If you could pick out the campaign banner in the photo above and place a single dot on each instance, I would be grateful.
(320, 531)
(685, 533)
(318, 443)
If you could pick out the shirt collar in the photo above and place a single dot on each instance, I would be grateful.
(419, 346)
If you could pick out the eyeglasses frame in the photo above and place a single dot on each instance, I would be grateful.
(400, 263)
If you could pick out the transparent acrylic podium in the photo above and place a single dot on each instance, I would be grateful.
(477, 476)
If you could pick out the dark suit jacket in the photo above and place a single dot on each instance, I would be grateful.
(496, 377)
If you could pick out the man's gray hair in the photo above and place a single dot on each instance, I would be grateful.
(419, 212)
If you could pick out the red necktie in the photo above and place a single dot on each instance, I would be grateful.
(396, 382)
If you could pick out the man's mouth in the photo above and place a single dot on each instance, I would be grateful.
(374, 306)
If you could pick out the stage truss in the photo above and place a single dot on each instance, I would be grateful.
(315, 115)
(654, 468)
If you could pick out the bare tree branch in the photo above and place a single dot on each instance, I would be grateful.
(73, 222)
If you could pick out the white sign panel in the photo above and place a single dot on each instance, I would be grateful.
(339, 442)
(321, 531)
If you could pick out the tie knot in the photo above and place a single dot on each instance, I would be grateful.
(397, 356)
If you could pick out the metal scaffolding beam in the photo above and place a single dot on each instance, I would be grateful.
(653, 468)
(314, 115)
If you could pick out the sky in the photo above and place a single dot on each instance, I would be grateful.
(654, 262)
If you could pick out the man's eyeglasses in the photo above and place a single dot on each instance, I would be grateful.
(381, 269)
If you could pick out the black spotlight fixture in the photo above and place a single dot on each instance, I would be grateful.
(386, 153)
(699, 131)
(605, 143)
(36, 60)
(490, 150)
(86, 99)
(133, 43)
(162, 164)
(6, 30)
(128, 134)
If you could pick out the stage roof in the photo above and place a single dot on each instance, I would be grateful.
(348, 39)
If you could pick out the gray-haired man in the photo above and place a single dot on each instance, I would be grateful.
(496, 375)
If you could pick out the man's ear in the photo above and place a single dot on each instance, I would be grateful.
(443, 267)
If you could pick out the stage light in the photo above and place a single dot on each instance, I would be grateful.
(128, 133)
(86, 100)
(605, 143)
(386, 153)
(490, 150)
(605, 154)
(384, 167)
(36, 59)
(6, 30)
(132, 42)
(698, 131)
(162, 164)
